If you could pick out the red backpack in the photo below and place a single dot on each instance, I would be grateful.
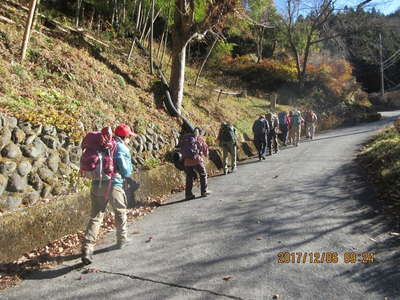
(189, 147)
(98, 152)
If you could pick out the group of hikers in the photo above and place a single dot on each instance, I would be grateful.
(106, 160)
(285, 127)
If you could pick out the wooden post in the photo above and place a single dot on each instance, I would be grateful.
(219, 95)
(273, 101)
(28, 29)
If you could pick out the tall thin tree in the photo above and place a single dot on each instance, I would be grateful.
(28, 28)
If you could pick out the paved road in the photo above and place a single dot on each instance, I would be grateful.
(306, 199)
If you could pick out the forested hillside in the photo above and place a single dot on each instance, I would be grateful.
(83, 52)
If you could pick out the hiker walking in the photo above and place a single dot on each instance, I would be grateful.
(283, 127)
(228, 142)
(290, 139)
(273, 123)
(194, 149)
(260, 131)
(310, 123)
(297, 121)
(114, 158)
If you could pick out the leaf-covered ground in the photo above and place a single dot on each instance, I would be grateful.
(381, 158)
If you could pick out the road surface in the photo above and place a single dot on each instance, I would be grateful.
(309, 199)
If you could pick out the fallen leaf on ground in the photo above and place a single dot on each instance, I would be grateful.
(394, 233)
(149, 240)
(136, 232)
(373, 240)
(227, 278)
(276, 176)
(258, 238)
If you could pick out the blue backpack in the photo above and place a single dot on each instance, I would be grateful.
(296, 119)
(282, 118)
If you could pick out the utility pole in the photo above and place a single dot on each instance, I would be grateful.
(381, 61)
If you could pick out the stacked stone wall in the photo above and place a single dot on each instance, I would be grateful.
(40, 162)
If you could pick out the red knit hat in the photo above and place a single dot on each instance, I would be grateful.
(124, 131)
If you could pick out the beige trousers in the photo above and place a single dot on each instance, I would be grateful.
(296, 134)
(310, 129)
(118, 201)
(229, 149)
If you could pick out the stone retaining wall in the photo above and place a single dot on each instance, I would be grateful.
(38, 161)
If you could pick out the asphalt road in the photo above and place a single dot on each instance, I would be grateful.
(307, 199)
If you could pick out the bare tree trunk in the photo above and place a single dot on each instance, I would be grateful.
(139, 15)
(91, 18)
(305, 61)
(177, 79)
(164, 48)
(259, 44)
(144, 26)
(113, 13)
(28, 29)
(151, 37)
(166, 39)
(131, 50)
(98, 23)
(205, 60)
(188, 57)
(78, 12)
(160, 45)
(124, 11)
(36, 15)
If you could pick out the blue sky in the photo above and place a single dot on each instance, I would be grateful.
(385, 6)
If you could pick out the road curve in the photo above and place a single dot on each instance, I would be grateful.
(309, 199)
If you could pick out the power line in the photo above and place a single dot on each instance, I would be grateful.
(397, 53)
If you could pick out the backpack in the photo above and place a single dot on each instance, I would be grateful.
(296, 119)
(282, 118)
(228, 133)
(275, 122)
(97, 161)
(189, 146)
(259, 127)
(310, 117)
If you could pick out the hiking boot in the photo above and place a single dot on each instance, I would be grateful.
(205, 194)
(233, 170)
(263, 157)
(190, 197)
(87, 257)
(123, 243)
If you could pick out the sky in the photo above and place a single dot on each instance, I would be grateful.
(385, 6)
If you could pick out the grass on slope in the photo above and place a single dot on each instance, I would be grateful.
(66, 79)
(381, 157)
